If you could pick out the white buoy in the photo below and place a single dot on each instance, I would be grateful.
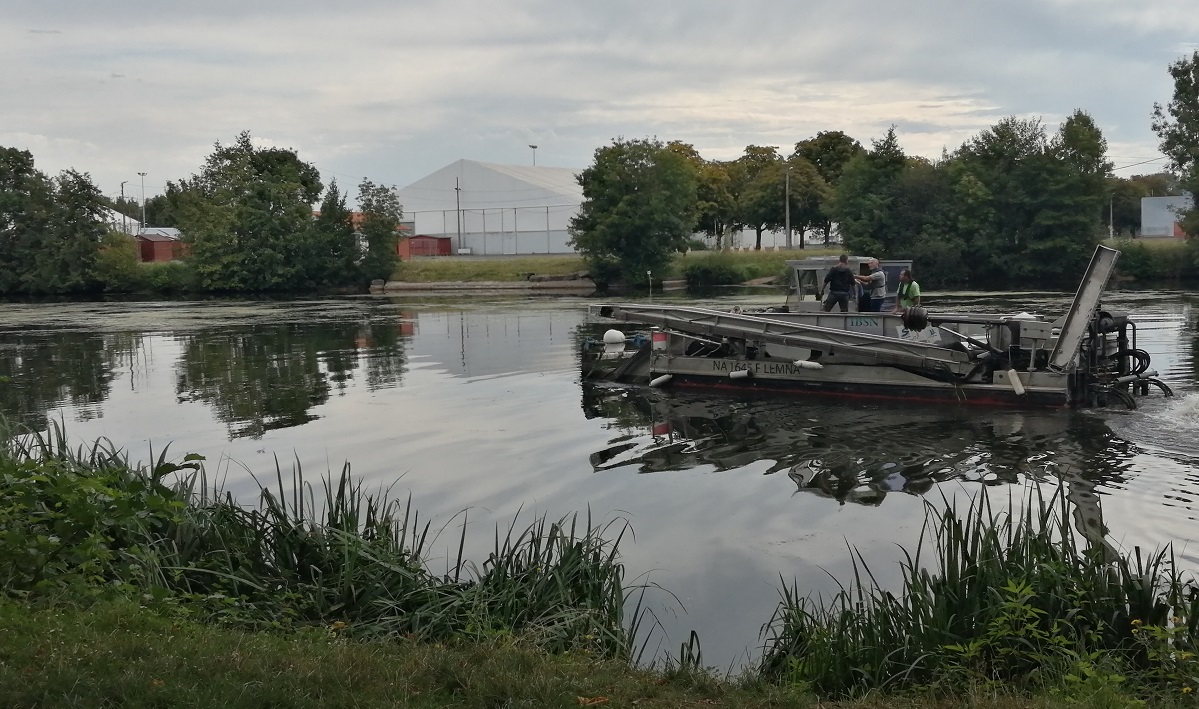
(740, 374)
(614, 337)
(805, 364)
(1013, 378)
(659, 381)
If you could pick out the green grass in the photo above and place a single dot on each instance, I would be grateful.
(754, 264)
(116, 654)
(504, 269)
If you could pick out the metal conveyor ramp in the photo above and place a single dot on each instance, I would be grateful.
(717, 323)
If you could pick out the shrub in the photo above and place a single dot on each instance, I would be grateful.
(717, 269)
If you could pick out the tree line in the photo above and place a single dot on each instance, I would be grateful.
(1015, 204)
(246, 218)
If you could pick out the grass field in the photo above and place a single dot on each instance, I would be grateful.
(758, 264)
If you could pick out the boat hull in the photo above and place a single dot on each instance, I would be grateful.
(854, 382)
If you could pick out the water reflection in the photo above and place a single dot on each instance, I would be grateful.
(265, 378)
(851, 454)
(40, 371)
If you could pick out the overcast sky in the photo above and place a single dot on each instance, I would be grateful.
(395, 89)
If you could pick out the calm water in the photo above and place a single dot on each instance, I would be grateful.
(477, 405)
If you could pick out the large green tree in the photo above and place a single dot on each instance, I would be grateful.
(50, 229)
(756, 175)
(716, 209)
(381, 216)
(639, 206)
(861, 201)
(329, 248)
(829, 152)
(244, 215)
(1177, 125)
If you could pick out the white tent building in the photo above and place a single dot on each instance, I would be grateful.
(496, 209)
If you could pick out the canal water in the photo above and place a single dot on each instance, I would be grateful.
(476, 407)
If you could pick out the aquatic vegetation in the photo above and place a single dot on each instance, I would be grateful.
(1012, 596)
(86, 518)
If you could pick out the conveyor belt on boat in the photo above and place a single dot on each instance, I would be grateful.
(761, 328)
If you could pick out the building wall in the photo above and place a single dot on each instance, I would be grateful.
(1159, 215)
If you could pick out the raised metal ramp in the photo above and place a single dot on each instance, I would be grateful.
(760, 328)
(1078, 318)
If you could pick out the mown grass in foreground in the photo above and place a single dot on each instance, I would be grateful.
(117, 654)
(1014, 599)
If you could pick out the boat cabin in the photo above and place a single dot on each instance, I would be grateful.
(807, 278)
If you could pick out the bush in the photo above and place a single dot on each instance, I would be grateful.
(718, 269)
(694, 244)
(168, 277)
(118, 266)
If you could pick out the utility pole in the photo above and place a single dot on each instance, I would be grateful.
(143, 201)
(458, 203)
(534, 147)
(124, 217)
(1111, 224)
(787, 205)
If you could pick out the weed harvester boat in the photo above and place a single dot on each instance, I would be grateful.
(1087, 358)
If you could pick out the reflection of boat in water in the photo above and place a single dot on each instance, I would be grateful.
(850, 453)
(1088, 357)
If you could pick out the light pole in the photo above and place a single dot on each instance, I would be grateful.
(1111, 224)
(124, 217)
(534, 147)
(787, 205)
(143, 175)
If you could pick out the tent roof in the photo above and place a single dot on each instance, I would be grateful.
(488, 186)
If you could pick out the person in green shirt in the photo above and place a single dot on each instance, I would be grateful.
(908, 295)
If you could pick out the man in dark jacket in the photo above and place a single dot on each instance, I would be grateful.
(840, 283)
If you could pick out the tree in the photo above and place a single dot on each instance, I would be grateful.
(329, 252)
(1125, 197)
(829, 152)
(50, 230)
(639, 206)
(243, 213)
(1177, 125)
(715, 206)
(754, 177)
(862, 197)
(381, 215)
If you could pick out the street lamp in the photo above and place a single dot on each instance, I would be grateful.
(143, 175)
(124, 217)
(534, 147)
(787, 206)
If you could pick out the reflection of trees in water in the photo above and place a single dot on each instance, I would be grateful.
(854, 453)
(264, 378)
(40, 371)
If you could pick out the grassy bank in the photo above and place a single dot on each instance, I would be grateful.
(747, 265)
(180, 596)
(116, 653)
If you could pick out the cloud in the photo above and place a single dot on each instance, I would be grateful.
(397, 90)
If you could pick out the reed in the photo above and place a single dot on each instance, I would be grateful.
(1014, 596)
(85, 517)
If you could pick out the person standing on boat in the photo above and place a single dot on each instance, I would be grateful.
(876, 283)
(908, 295)
(840, 283)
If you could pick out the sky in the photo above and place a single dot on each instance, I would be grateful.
(393, 90)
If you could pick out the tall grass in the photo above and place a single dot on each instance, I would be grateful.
(74, 519)
(1014, 596)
